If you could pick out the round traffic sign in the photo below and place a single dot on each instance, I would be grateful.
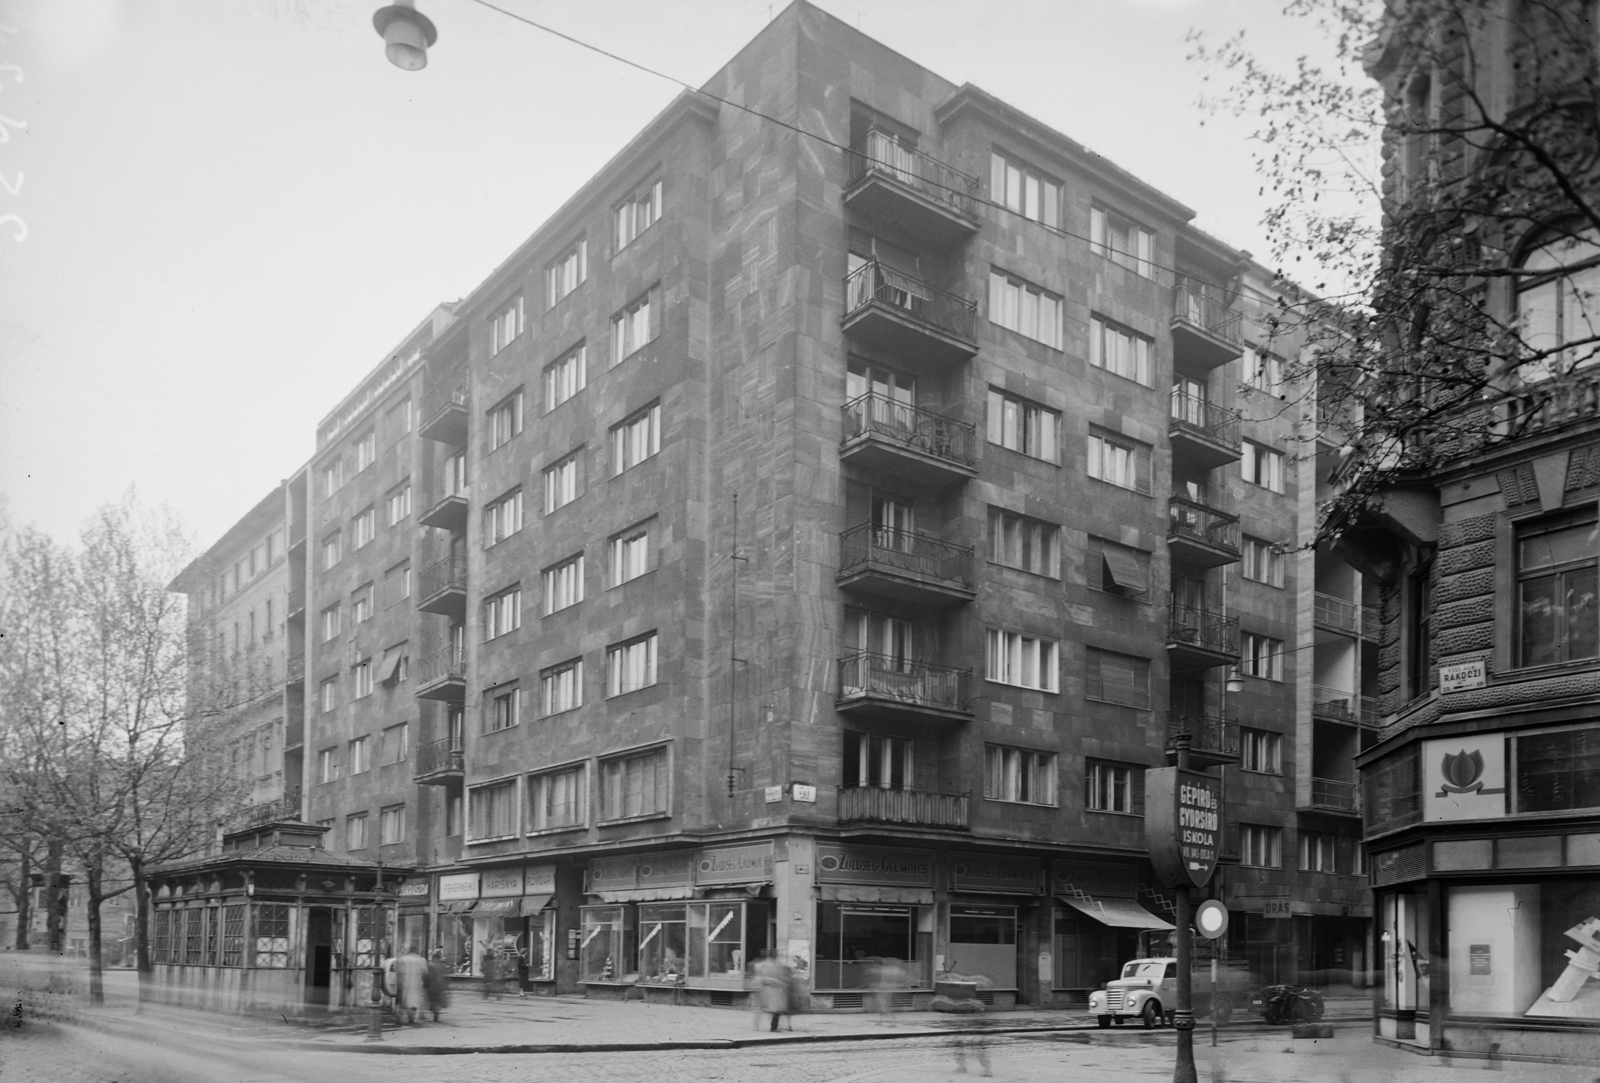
(1211, 919)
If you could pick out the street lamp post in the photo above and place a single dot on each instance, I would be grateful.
(1183, 1070)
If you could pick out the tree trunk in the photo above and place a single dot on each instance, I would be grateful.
(55, 899)
(93, 885)
(141, 926)
(24, 898)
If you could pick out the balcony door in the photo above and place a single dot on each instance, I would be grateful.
(875, 761)
(890, 640)
(893, 523)
(1189, 402)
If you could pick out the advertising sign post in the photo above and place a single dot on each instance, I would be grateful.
(1183, 830)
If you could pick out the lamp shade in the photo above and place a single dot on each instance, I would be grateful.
(406, 33)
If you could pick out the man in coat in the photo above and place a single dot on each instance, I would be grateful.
(411, 969)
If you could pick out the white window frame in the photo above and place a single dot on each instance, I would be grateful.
(631, 665)
(636, 214)
(1018, 305)
(332, 621)
(565, 377)
(630, 554)
(361, 604)
(364, 527)
(631, 328)
(1263, 562)
(561, 687)
(1139, 254)
(1109, 787)
(502, 613)
(1012, 775)
(328, 764)
(1118, 460)
(1013, 657)
(502, 708)
(505, 420)
(476, 821)
(563, 584)
(636, 438)
(366, 449)
(328, 695)
(1261, 465)
(1121, 351)
(566, 272)
(355, 831)
(539, 794)
(505, 325)
(358, 756)
(401, 733)
(1024, 543)
(660, 785)
(502, 518)
(1263, 371)
(561, 483)
(1023, 426)
(1260, 751)
(1260, 846)
(363, 679)
(399, 502)
(391, 825)
(1262, 656)
(397, 578)
(332, 550)
(1024, 190)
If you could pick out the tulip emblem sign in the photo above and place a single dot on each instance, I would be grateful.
(1464, 777)
(1463, 773)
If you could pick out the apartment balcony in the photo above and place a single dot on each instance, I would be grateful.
(440, 763)
(448, 422)
(296, 612)
(1337, 614)
(1212, 740)
(294, 730)
(1200, 534)
(1198, 638)
(1205, 332)
(1337, 705)
(286, 807)
(897, 312)
(896, 438)
(1333, 795)
(294, 669)
(443, 676)
(905, 565)
(883, 686)
(912, 191)
(442, 587)
(297, 537)
(1203, 436)
(449, 513)
(916, 808)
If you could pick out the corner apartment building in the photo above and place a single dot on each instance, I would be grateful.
(804, 543)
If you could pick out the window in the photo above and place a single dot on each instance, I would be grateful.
(1122, 241)
(392, 825)
(1318, 852)
(396, 743)
(1262, 466)
(876, 761)
(1019, 774)
(364, 526)
(1024, 426)
(1556, 585)
(1024, 308)
(1113, 787)
(1260, 846)
(363, 677)
(502, 518)
(397, 421)
(563, 584)
(635, 215)
(630, 329)
(1418, 642)
(634, 785)
(630, 555)
(333, 477)
(1263, 657)
(1263, 371)
(1558, 771)
(359, 756)
(558, 799)
(1558, 310)
(1263, 562)
(272, 935)
(504, 708)
(631, 666)
(1116, 678)
(1116, 569)
(1261, 751)
(561, 687)
(330, 622)
(1023, 660)
(361, 604)
(1020, 542)
(355, 831)
(233, 934)
(636, 439)
(328, 694)
(505, 420)
(397, 583)
(502, 613)
(454, 819)
(493, 810)
(564, 378)
(366, 446)
(455, 475)
(328, 765)
(1023, 189)
(566, 273)
(505, 325)
(561, 483)
(1120, 351)
(1119, 461)
(331, 550)
(399, 503)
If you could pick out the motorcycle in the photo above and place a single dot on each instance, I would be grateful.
(1287, 1004)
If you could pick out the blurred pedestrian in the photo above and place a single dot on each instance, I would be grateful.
(489, 964)
(773, 975)
(887, 978)
(411, 973)
(978, 1046)
(437, 984)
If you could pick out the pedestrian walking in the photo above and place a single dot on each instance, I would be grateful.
(772, 975)
(975, 1044)
(411, 974)
(437, 984)
(490, 966)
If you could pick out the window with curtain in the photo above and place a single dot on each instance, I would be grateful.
(492, 810)
(878, 761)
(630, 328)
(1024, 190)
(636, 214)
(636, 439)
(565, 377)
(1030, 545)
(563, 584)
(1023, 660)
(1020, 306)
(1260, 465)
(1558, 618)
(631, 666)
(1024, 426)
(1023, 775)
(634, 785)
(1120, 351)
(561, 687)
(1119, 461)
(1122, 241)
(558, 799)
(561, 483)
(566, 272)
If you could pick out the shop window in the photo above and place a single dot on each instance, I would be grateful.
(717, 933)
(1520, 950)
(865, 946)
(272, 935)
(541, 943)
(233, 934)
(1393, 792)
(607, 949)
(983, 945)
(1558, 771)
(662, 942)
(456, 942)
(1556, 584)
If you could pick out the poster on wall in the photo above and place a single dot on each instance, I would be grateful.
(800, 958)
(1464, 778)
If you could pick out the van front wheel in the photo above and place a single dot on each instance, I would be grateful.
(1152, 1014)
(1105, 1021)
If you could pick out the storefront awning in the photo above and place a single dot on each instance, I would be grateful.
(1118, 913)
(732, 891)
(457, 906)
(492, 907)
(646, 894)
(872, 893)
(533, 904)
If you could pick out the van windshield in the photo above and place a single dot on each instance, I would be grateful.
(1143, 968)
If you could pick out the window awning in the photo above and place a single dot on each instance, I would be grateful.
(533, 904)
(457, 906)
(1118, 913)
(506, 907)
(1124, 573)
(645, 894)
(389, 668)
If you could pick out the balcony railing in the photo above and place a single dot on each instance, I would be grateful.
(874, 281)
(1197, 627)
(1210, 738)
(883, 155)
(1192, 303)
(286, 807)
(447, 574)
(1340, 614)
(1345, 706)
(901, 680)
(447, 423)
(1193, 521)
(902, 424)
(916, 555)
(439, 757)
(294, 669)
(870, 803)
(1553, 403)
(448, 664)
(1330, 793)
(1195, 414)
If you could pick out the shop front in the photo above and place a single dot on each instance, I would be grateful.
(1096, 925)
(454, 923)
(414, 901)
(990, 898)
(875, 924)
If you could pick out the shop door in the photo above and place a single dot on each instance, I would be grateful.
(319, 955)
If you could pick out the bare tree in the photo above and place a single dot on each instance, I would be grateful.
(1434, 183)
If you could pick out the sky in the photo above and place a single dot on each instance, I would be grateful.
(216, 216)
